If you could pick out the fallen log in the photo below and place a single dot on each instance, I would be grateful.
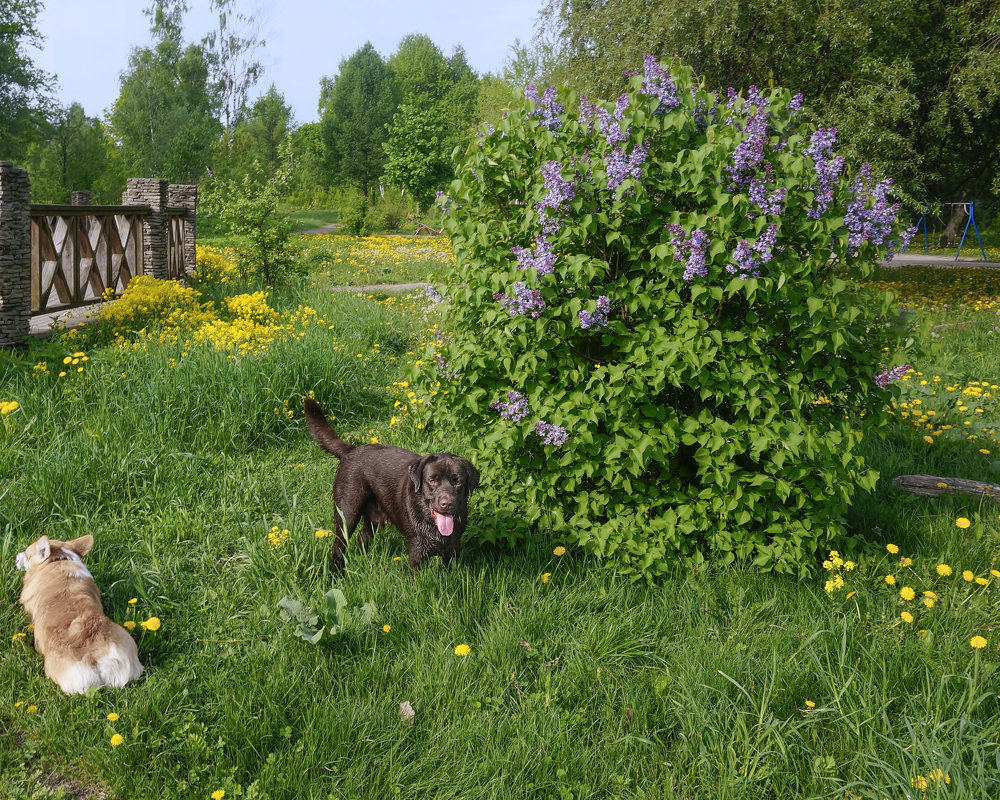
(933, 486)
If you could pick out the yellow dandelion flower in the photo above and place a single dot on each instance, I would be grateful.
(129, 625)
(943, 570)
(929, 439)
(218, 794)
(907, 593)
(545, 577)
(463, 650)
(810, 704)
(929, 602)
(559, 551)
(322, 533)
(386, 628)
(113, 717)
(117, 739)
(919, 782)
(967, 575)
(977, 642)
(906, 616)
(890, 579)
(892, 548)
(942, 485)
(32, 709)
(983, 581)
(151, 624)
(18, 637)
(962, 522)
(905, 561)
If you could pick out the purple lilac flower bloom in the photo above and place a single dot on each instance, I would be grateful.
(515, 407)
(599, 318)
(690, 250)
(586, 112)
(764, 245)
(755, 99)
(749, 153)
(869, 224)
(621, 167)
(541, 259)
(795, 104)
(772, 203)
(551, 434)
(658, 83)
(744, 264)
(828, 169)
(609, 123)
(560, 195)
(547, 106)
(433, 295)
(885, 377)
(523, 301)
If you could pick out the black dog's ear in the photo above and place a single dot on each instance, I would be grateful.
(417, 472)
(471, 475)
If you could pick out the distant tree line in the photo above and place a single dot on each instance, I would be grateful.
(912, 88)
(185, 112)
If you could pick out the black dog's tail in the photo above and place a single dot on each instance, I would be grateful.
(325, 436)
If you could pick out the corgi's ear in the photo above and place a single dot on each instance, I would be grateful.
(81, 546)
(43, 548)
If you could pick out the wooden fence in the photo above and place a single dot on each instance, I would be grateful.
(58, 257)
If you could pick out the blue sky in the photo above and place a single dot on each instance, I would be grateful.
(87, 44)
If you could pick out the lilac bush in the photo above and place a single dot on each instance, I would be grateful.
(660, 342)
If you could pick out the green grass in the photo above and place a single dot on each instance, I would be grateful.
(180, 462)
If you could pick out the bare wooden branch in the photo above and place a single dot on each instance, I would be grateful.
(933, 486)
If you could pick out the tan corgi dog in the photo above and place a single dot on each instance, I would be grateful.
(81, 646)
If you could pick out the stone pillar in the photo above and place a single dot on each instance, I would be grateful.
(15, 255)
(81, 198)
(151, 192)
(185, 196)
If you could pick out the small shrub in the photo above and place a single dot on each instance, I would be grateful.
(355, 216)
(250, 209)
(658, 341)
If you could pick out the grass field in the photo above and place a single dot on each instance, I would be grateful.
(181, 447)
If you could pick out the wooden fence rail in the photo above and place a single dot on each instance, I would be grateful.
(83, 254)
(58, 257)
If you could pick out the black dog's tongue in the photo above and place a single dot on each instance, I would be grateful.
(445, 522)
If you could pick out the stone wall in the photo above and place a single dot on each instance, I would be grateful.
(15, 255)
(151, 192)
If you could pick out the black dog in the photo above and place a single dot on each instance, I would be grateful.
(425, 497)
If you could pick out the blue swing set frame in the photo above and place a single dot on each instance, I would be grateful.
(972, 220)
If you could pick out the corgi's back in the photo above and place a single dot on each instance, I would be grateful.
(82, 648)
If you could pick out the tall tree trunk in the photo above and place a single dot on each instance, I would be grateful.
(949, 236)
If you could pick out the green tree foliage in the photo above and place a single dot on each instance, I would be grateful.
(657, 338)
(74, 156)
(438, 112)
(23, 87)
(231, 53)
(306, 164)
(913, 88)
(417, 154)
(249, 207)
(257, 140)
(164, 116)
(356, 106)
